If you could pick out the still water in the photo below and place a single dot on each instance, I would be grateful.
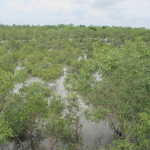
(94, 135)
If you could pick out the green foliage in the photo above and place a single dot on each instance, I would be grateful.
(35, 57)
(51, 73)
(123, 144)
(24, 110)
(121, 96)
(7, 67)
(35, 89)
(6, 82)
(5, 131)
(57, 126)
(97, 114)
(21, 76)
(123, 92)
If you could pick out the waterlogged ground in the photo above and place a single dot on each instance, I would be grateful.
(93, 135)
(42, 54)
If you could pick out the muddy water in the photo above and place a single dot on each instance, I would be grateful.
(34, 79)
(60, 89)
(93, 135)
(97, 77)
(82, 57)
(18, 68)
(18, 86)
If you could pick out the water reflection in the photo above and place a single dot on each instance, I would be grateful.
(17, 87)
(82, 57)
(97, 77)
(93, 135)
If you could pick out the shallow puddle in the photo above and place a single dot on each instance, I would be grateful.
(18, 86)
(84, 56)
(97, 77)
(34, 79)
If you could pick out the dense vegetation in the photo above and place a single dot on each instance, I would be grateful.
(118, 56)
